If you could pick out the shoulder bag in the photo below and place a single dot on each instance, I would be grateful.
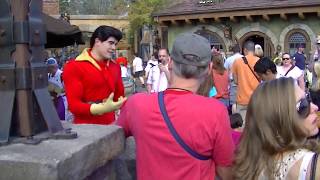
(173, 131)
(246, 62)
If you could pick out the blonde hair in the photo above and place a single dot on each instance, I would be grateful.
(258, 51)
(316, 70)
(272, 128)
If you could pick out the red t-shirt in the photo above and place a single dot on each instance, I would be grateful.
(88, 81)
(201, 122)
(221, 83)
(122, 60)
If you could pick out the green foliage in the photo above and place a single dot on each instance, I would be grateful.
(94, 7)
(140, 12)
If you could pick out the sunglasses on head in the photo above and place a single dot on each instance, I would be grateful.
(303, 107)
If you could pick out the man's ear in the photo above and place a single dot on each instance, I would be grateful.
(170, 64)
(268, 72)
(97, 41)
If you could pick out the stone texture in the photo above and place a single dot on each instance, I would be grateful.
(63, 159)
(126, 162)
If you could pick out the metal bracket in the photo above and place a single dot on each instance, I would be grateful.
(7, 76)
(40, 75)
(6, 33)
(36, 27)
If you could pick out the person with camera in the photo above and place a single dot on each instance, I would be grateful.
(158, 75)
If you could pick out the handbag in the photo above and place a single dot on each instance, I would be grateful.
(173, 131)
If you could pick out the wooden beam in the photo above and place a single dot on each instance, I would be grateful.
(255, 12)
(266, 17)
(174, 22)
(188, 21)
(283, 16)
(217, 19)
(202, 20)
(301, 15)
(249, 18)
(233, 19)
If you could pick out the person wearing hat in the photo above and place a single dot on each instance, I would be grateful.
(93, 80)
(56, 89)
(198, 144)
(299, 58)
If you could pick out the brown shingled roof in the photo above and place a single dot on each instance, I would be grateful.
(193, 6)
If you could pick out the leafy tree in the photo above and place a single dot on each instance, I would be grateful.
(140, 12)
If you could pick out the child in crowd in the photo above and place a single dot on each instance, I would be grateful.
(236, 122)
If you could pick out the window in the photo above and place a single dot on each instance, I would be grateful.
(214, 39)
(295, 40)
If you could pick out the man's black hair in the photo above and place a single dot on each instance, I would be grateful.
(236, 120)
(249, 45)
(263, 64)
(104, 32)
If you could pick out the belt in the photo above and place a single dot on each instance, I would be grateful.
(95, 102)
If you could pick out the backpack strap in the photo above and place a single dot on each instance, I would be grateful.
(314, 166)
(246, 62)
(173, 131)
(307, 158)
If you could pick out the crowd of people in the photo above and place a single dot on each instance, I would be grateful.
(203, 116)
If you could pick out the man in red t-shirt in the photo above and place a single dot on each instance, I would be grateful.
(93, 81)
(122, 60)
(201, 122)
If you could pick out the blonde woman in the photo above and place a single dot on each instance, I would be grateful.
(258, 51)
(274, 142)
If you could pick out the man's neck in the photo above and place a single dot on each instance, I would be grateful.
(96, 55)
(182, 83)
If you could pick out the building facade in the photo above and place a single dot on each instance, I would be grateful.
(277, 25)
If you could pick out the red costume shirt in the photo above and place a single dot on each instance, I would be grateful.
(88, 81)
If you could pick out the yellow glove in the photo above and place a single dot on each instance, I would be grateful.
(108, 105)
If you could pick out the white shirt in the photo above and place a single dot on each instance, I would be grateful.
(137, 64)
(157, 80)
(124, 72)
(295, 73)
(149, 65)
(56, 79)
(229, 62)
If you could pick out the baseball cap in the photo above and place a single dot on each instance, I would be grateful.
(51, 61)
(191, 49)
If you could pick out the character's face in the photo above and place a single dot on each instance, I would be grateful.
(307, 112)
(286, 60)
(105, 49)
(163, 56)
